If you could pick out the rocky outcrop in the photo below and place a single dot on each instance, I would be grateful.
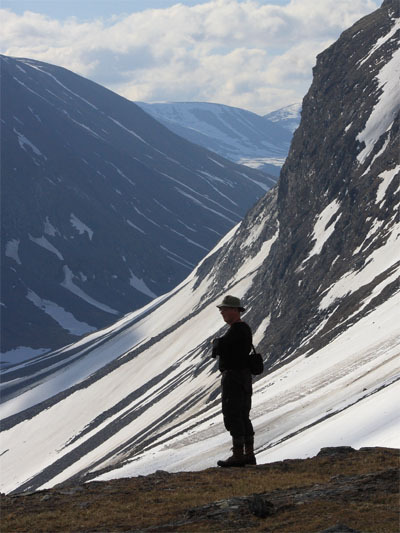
(331, 188)
(331, 209)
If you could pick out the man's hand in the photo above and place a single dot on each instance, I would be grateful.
(214, 352)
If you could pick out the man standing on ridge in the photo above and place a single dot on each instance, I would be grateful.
(233, 350)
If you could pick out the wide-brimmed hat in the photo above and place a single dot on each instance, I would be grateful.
(231, 301)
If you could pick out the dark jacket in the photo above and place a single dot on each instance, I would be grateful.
(234, 347)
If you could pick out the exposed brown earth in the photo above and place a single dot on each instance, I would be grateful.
(340, 490)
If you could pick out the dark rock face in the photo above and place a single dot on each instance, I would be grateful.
(332, 177)
(103, 208)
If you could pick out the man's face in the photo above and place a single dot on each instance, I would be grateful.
(230, 314)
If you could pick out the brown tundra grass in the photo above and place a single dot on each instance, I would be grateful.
(161, 501)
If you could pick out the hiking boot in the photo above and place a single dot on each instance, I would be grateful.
(237, 457)
(249, 457)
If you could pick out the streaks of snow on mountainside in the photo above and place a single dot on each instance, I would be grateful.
(130, 331)
(69, 367)
(140, 285)
(311, 403)
(12, 250)
(322, 231)
(144, 394)
(383, 259)
(385, 110)
(380, 42)
(386, 177)
(44, 243)
(69, 284)
(128, 130)
(33, 65)
(24, 142)
(93, 163)
(57, 313)
(286, 402)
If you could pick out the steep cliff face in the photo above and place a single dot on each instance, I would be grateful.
(316, 262)
(337, 254)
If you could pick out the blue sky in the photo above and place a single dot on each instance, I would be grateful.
(253, 54)
(88, 9)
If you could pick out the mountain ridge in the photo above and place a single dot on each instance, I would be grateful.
(236, 134)
(287, 117)
(102, 207)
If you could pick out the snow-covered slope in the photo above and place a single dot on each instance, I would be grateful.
(316, 262)
(287, 117)
(103, 208)
(239, 135)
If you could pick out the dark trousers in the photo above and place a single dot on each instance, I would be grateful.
(236, 403)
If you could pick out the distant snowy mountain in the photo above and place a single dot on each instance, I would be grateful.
(103, 208)
(287, 117)
(316, 262)
(238, 135)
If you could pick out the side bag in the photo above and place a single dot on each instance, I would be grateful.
(256, 363)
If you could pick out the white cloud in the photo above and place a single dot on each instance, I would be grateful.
(247, 54)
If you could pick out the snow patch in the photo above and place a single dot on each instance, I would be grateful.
(49, 229)
(128, 130)
(190, 241)
(216, 162)
(198, 202)
(252, 264)
(119, 171)
(380, 42)
(81, 125)
(258, 335)
(146, 217)
(44, 243)
(34, 114)
(140, 285)
(385, 110)
(64, 318)
(386, 179)
(12, 250)
(134, 226)
(19, 355)
(59, 83)
(380, 260)
(177, 258)
(321, 232)
(24, 141)
(69, 284)
(80, 226)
